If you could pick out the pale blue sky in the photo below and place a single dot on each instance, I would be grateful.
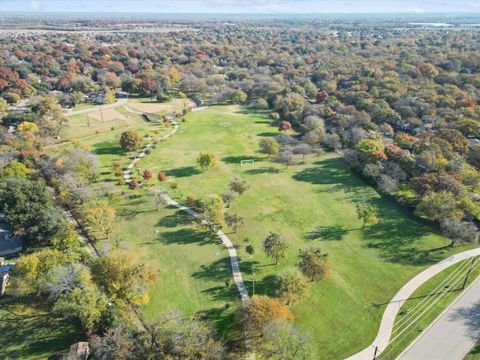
(243, 6)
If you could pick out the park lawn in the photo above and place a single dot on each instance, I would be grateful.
(432, 296)
(193, 265)
(149, 105)
(28, 331)
(308, 204)
(78, 127)
(83, 106)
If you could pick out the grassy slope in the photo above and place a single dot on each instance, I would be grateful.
(28, 331)
(305, 203)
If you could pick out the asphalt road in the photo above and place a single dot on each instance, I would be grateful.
(453, 334)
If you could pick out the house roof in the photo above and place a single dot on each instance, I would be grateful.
(9, 245)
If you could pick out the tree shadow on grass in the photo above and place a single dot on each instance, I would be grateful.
(129, 213)
(226, 323)
(188, 236)
(183, 171)
(335, 233)
(398, 237)
(107, 148)
(174, 220)
(332, 172)
(238, 159)
(52, 334)
(219, 270)
(268, 134)
(262, 170)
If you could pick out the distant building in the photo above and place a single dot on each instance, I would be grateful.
(4, 270)
(472, 142)
(10, 245)
(121, 95)
(79, 351)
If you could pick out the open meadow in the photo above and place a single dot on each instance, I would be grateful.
(312, 203)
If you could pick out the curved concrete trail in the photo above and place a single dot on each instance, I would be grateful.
(386, 326)
(232, 252)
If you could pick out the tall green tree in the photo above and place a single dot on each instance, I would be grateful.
(275, 247)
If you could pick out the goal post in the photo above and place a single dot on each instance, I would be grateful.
(224, 124)
(247, 162)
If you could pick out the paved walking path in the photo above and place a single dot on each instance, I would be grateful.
(232, 252)
(386, 326)
(454, 333)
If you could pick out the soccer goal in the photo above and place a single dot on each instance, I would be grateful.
(224, 124)
(247, 162)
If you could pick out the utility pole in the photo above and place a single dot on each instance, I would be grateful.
(253, 283)
(101, 113)
(469, 271)
(375, 353)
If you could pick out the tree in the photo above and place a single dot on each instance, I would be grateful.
(292, 286)
(17, 169)
(368, 214)
(21, 200)
(27, 128)
(238, 185)
(161, 176)
(440, 206)
(101, 218)
(238, 96)
(85, 302)
(281, 341)
(372, 149)
(261, 311)
(174, 337)
(207, 160)
(130, 140)
(285, 126)
(459, 231)
(250, 249)
(274, 247)
(286, 157)
(235, 221)
(3, 106)
(133, 184)
(269, 147)
(147, 174)
(122, 277)
(117, 343)
(213, 208)
(302, 149)
(174, 75)
(312, 263)
(227, 198)
(157, 195)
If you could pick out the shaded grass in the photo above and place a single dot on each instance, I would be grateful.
(29, 331)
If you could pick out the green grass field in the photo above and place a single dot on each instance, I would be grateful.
(28, 331)
(308, 204)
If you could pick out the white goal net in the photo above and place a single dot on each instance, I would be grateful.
(224, 124)
(247, 162)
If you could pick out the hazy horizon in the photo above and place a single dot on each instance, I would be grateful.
(252, 7)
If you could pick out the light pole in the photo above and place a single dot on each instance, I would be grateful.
(253, 279)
